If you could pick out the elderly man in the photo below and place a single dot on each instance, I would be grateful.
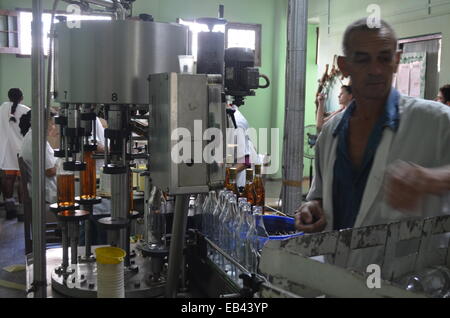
(384, 158)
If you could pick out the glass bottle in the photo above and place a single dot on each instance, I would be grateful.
(230, 236)
(198, 211)
(259, 188)
(228, 165)
(232, 186)
(251, 245)
(230, 226)
(433, 281)
(242, 232)
(221, 223)
(215, 226)
(208, 209)
(216, 216)
(249, 190)
(65, 184)
(261, 231)
(88, 177)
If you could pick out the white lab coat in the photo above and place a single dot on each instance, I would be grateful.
(244, 144)
(423, 137)
(11, 138)
(100, 137)
(50, 161)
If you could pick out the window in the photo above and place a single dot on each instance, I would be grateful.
(244, 35)
(9, 32)
(236, 35)
(26, 18)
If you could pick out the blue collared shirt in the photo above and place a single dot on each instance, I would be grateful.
(349, 181)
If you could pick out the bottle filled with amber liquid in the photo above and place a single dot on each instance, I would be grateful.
(259, 188)
(249, 190)
(88, 178)
(228, 165)
(232, 186)
(65, 184)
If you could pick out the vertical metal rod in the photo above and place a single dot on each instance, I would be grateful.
(176, 245)
(295, 105)
(119, 204)
(73, 234)
(39, 142)
(127, 262)
(65, 245)
(88, 232)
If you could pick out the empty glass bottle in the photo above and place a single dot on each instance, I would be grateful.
(251, 245)
(198, 211)
(433, 281)
(208, 209)
(242, 232)
(261, 231)
(216, 216)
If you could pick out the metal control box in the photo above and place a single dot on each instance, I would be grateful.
(183, 107)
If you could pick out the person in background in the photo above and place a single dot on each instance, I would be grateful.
(10, 144)
(345, 98)
(444, 95)
(244, 151)
(50, 160)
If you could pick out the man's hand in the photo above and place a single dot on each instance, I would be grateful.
(407, 183)
(310, 218)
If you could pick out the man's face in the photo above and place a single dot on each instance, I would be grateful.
(371, 63)
(440, 98)
(344, 97)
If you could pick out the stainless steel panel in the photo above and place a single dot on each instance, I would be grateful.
(216, 119)
(178, 100)
(110, 61)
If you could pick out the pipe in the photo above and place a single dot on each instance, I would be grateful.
(50, 56)
(39, 130)
(114, 5)
(177, 245)
(295, 105)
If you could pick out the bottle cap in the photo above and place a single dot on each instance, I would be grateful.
(249, 174)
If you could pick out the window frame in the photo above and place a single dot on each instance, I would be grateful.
(11, 49)
(258, 37)
(45, 11)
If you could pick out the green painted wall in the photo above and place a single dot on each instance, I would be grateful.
(265, 110)
(409, 18)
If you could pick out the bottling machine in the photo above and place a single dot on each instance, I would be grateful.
(129, 68)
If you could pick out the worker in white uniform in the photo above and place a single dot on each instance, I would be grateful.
(239, 144)
(50, 160)
(10, 145)
(386, 157)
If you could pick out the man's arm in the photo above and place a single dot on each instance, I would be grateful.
(310, 217)
(407, 183)
(320, 118)
(240, 166)
(51, 172)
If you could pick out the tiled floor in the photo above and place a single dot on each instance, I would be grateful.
(12, 252)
